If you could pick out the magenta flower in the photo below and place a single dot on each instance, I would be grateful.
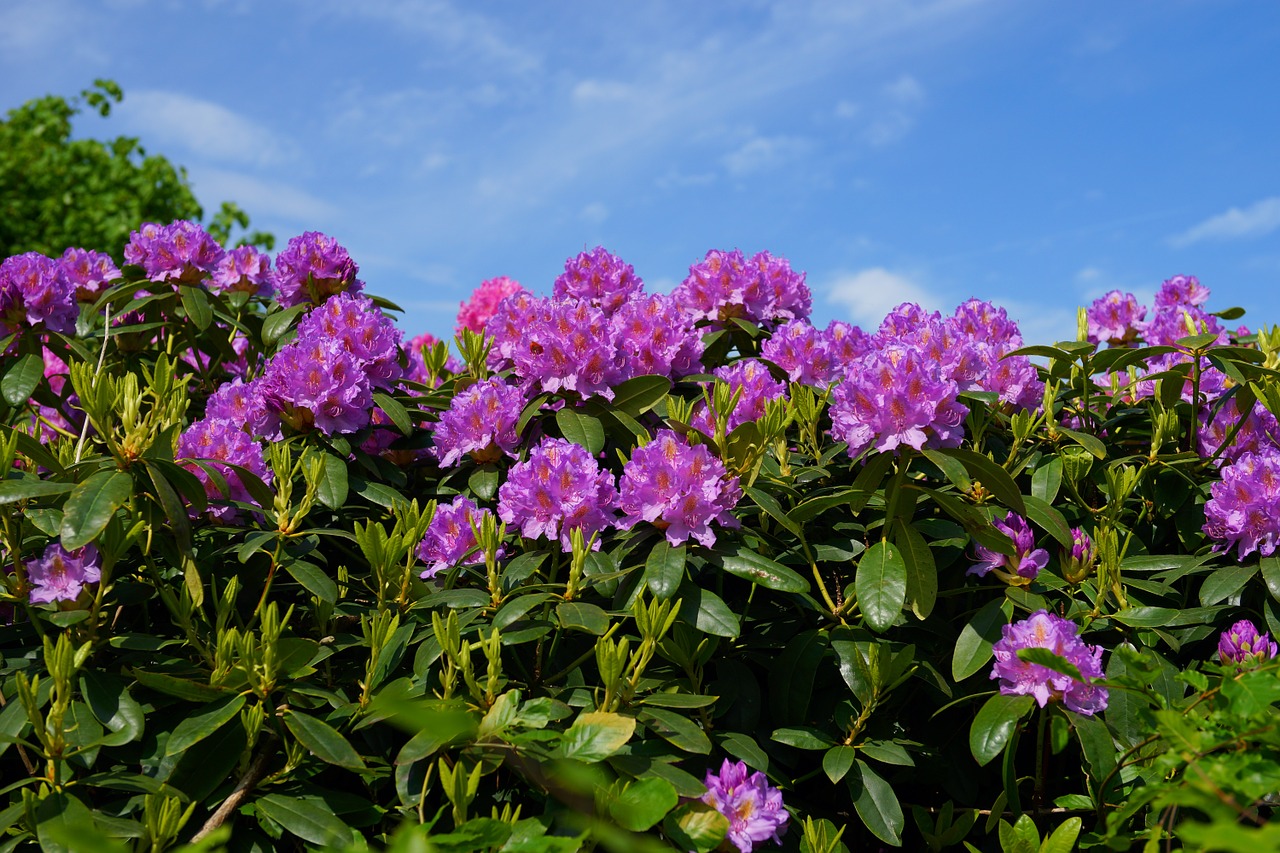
(599, 277)
(1044, 630)
(450, 536)
(560, 487)
(679, 488)
(757, 386)
(512, 316)
(89, 272)
(897, 397)
(362, 330)
(1260, 432)
(1115, 318)
(804, 352)
(312, 268)
(752, 806)
(1019, 569)
(243, 269)
(1243, 644)
(218, 441)
(474, 314)
(481, 423)
(1242, 508)
(1181, 290)
(562, 346)
(60, 575)
(33, 291)
(652, 337)
(181, 252)
(315, 383)
(725, 285)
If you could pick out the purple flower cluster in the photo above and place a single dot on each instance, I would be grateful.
(312, 268)
(805, 353)
(181, 252)
(679, 488)
(1115, 318)
(474, 314)
(32, 291)
(897, 397)
(1242, 509)
(1044, 630)
(752, 806)
(1260, 432)
(450, 536)
(220, 443)
(480, 422)
(652, 337)
(598, 277)
(557, 489)
(762, 289)
(1020, 569)
(757, 386)
(1180, 291)
(60, 575)
(243, 269)
(1243, 644)
(89, 272)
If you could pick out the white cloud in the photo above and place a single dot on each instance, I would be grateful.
(594, 213)
(902, 101)
(203, 128)
(263, 198)
(601, 91)
(906, 90)
(872, 293)
(763, 152)
(1257, 219)
(847, 110)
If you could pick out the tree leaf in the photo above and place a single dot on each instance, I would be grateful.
(640, 394)
(878, 806)
(643, 803)
(837, 762)
(1051, 661)
(1048, 517)
(586, 617)
(922, 571)
(581, 429)
(1224, 583)
(973, 646)
(203, 723)
(676, 729)
(994, 725)
(881, 585)
(396, 411)
(332, 488)
(313, 580)
(275, 325)
(664, 569)
(26, 488)
(759, 569)
(707, 611)
(306, 819)
(91, 506)
(323, 740)
(21, 379)
(596, 735)
(195, 301)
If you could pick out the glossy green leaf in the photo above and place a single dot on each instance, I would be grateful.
(204, 722)
(395, 411)
(881, 584)
(1048, 517)
(803, 737)
(21, 379)
(91, 506)
(993, 477)
(584, 617)
(837, 761)
(307, 819)
(581, 429)
(1224, 583)
(643, 803)
(973, 647)
(696, 827)
(1049, 660)
(332, 488)
(993, 726)
(195, 302)
(922, 571)
(640, 394)
(877, 805)
(676, 729)
(323, 740)
(760, 569)
(596, 735)
(707, 611)
(278, 323)
(664, 569)
(26, 488)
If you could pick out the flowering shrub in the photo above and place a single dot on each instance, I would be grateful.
(624, 570)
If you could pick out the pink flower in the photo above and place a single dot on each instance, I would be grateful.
(474, 314)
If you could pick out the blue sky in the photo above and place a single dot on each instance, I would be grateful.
(1033, 154)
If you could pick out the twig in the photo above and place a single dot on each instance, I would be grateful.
(246, 784)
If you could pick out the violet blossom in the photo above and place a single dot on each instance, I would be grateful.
(221, 443)
(32, 291)
(181, 252)
(243, 269)
(1115, 318)
(750, 377)
(1044, 630)
(450, 536)
(560, 487)
(680, 488)
(752, 806)
(60, 575)
(1242, 508)
(480, 422)
(88, 272)
(1020, 569)
(312, 268)
(598, 277)
(1244, 644)
(652, 337)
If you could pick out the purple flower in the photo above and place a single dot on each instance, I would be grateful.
(601, 278)
(243, 269)
(980, 320)
(752, 806)
(1019, 569)
(848, 344)
(1077, 564)
(725, 285)
(450, 536)
(362, 330)
(1115, 318)
(557, 489)
(563, 345)
(315, 383)
(652, 337)
(60, 574)
(33, 291)
(1244, 645)
(238, 403)
(88, 272)
(507, 324)
(480, 422)
(1260, 432)
(897, 398)
(181, 252)
(804, 352)
(474, 314)
(679, 488)
(1242, 509)
(1181, 290)
(218, 441)
(787, 297)
(312, 268)
(1044, 630)
(758, 387)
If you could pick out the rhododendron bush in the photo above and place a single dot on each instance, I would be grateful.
(625, 570)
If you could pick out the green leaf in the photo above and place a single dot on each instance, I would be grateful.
(1019, 837)
(1251, 693)
(994, 725)
(596, 735)
(1271, 576)
(203, 723)
(678, 700)
(837, 762)
(1063, 839)
(332, 488)
(396, 411)
(275, 325)
(91, 506)
(585, 617)
(792, 674)
(973, 647)
(110, 702)
(759, 569)
(21, 379)
(1224, 583)
(65, 825)
(1048, 660)
(803, 737)
(770, 505)
(877, 805)
(1047, 479)
(484, 481)
(1145, 617)
(323, 740)
(1088, 442)
(676, 729)
(953, 469)
(196, 303)
(922, 571)
(1098, 748)
(696, 827)
(707, 611)
(1048, 517)
(581, 429)
(305, 819)
(313, 580)
(183, 688)
(26, 488)
(664, 569)
(640, 394)
(643, 803)
(993, 477)
(881, 584)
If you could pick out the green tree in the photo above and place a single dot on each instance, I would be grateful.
(56, 191)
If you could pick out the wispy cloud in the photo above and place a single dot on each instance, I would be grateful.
(265, 198)
(32, 28)
(1257, 219)
(761, 153)
(203, 128)
(869, 294)
(901, 102)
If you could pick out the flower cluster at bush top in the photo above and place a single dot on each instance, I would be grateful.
(752, 806)
(480, 422)
(679, 488)
(181, 252)
(761, 289)
(559, 488)
(600, 278)
(1044, 630)
(312, 268)
(33, 292)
